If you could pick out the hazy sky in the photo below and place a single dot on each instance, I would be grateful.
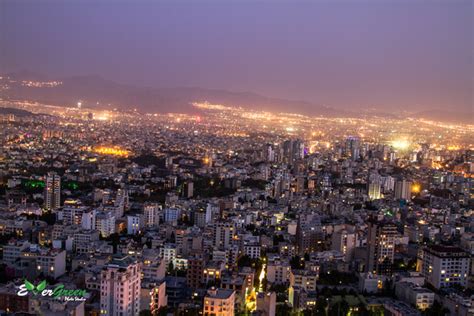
(406, 54)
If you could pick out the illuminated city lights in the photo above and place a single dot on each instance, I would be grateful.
(113, 151)
(401, 144)
(213, 161)
(416, 188)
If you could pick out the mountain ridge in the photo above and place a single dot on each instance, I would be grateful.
(97, 92)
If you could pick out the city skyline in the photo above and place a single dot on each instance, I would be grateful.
(236, 158)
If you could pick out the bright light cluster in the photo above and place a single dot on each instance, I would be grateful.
(401, 144)
(41, 84)
(113, 151)
(416, 188)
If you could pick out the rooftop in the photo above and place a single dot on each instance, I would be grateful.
(447, 251)
(219, 293)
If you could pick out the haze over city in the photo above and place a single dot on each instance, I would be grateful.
(385, 55)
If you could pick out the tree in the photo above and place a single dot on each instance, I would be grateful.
(436, 310)
(170, 268)
(193, 311)
(277, 239)
(321, 307)
(340, 308)
(297, 262)
(281, 291)
(48, 217)
(148, 243)
(244, 261)
(283, 310)
(362, 310)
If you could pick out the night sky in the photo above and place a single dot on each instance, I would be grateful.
(386, 54)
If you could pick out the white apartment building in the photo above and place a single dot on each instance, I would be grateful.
(415, 295)
(344, 242)
(120, 287)
(105, 223)
(50, 262)
(444, 266)
(13, 250)
(151, 213)
(278, 272)
(52, 194)
(219, 302)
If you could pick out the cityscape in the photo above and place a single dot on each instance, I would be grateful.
(207, 205)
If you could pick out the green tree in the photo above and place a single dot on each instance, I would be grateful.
(340, 308)
(283, 310)
(297, 262)
(321, 307)
(436, 310)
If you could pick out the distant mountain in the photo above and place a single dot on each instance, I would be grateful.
(447, 116)
(28, 75)
(16, 112)
(97, 92)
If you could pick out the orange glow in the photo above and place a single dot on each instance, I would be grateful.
(454, 147)
(401, 144)
(113, 151)
(416, 188)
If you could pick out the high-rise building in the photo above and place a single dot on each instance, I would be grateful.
(269, 153)
(344, 242)
(374, 185)
(444, 266)
(151, 213)
(172, 214)
(120, 287)
(380, 247)
(194, 275)
(153, 296)
(52, 194)
(304, 279)
(202, 215)
(266, 303)
(302, 289)
(326, 182)
(72, 211)
(298, 149)
(135, 223)
(188, 189)
(300, 184)
(88, 219)
(374, 189)
(308, 233)
(219, 302)
(388, 183)
(352, 147)
(403, 190)
(105, 223)
(293, 150)
(278, 271)
(223, 234)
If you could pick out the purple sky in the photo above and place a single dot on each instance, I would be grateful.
(404, 54)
